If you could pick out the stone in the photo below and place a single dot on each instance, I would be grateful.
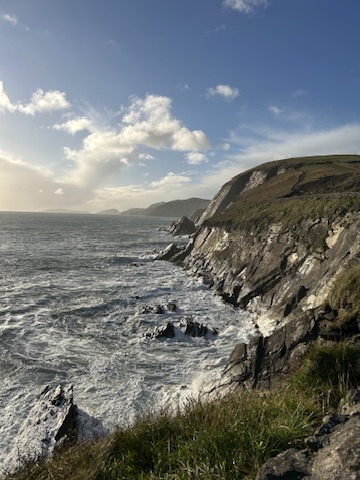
(195, 329)
(164, 331)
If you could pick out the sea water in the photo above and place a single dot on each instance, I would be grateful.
(72, 288)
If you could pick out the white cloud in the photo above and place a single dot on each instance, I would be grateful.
(45, 102)
(171, 180)
(74, 125)
(59, 191)
(40, 102)
(12, 19)
(245, 6)
(5, 103)
(275, 110)
(146, 156)
(146, 123)
(194, 158)
(225, 91)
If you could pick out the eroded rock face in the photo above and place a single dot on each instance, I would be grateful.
(275, 272)
(265, 362)
(332, 453)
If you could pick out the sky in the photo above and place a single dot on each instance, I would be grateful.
(124, 103)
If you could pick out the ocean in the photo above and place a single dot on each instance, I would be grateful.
(72, 291)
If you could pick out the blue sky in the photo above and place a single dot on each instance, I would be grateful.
(123, 103)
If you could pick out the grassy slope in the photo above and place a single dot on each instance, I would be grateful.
(308, 188)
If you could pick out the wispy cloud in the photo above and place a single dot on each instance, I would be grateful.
(299, 93)
(40, 102)
(247, 7)
(171, 180)
(275, 110)
(225, 91)
(12, 19)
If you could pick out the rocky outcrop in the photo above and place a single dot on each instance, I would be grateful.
(52, 418)
(184, 226)
(332, 452)
(195, 329)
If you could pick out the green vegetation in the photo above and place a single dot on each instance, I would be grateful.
(345, 297)
(228, 438)
(296, 190)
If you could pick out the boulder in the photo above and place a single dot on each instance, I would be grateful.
(158, 309)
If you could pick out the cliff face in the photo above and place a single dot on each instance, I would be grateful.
(274, 238)
(276, 272)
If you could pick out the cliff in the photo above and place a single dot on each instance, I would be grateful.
(274, 241)
(274, 238)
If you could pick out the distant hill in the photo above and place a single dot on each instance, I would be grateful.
(173, 209)
(110, 211)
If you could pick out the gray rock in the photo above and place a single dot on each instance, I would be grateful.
(195, 329)
(332, 453)
(164, 331)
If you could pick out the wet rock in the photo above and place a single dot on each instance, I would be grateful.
(169, 252)
(265, 361)
(195, 329)
(171, 307)
(145, 309)
(164, 331)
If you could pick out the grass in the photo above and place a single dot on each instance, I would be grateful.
(228, 438)
(308, 188)
(345, 297)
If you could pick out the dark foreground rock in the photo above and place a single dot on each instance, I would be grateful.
(52, 418)
(332, 453)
